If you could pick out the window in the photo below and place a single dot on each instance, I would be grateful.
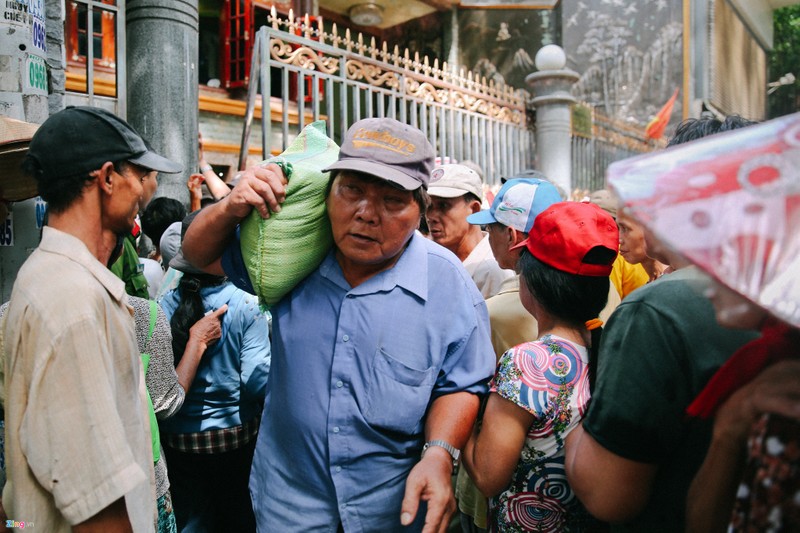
(209, 67)
(94, 45)
(239, 21)
(237, 42)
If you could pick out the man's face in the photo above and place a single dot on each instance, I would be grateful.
(500, 241)
(122, 205)
(371, 221)
(149, 184)
(631, 240)
(447, 220)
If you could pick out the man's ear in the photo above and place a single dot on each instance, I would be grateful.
(475, 206)
(104, 179)
(514, 236)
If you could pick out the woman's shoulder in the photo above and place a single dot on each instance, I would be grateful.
(242, 305)
(542, 359)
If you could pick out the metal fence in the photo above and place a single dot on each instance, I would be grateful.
(323, 75)
(314, 74)
(598, 144)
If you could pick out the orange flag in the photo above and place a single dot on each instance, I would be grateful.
(655, 128)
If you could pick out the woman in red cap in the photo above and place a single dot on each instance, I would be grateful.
(541, 388)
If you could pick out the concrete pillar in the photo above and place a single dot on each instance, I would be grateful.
(553, 101)
(23, 65)
(162, 43)
(25, 49)
(56, 55)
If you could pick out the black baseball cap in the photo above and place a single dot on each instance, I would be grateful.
(78, 140)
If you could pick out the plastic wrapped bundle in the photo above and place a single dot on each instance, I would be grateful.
(282, 250)
(729, 203)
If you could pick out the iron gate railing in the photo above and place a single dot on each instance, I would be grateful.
(601, 142)
(326, 75)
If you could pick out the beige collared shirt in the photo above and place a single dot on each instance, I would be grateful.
(484, 270)
(511, 323)
(77, 432)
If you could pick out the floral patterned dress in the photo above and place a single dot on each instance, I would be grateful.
(549, 379)
(768, 499)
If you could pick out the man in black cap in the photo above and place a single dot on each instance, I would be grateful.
(378, 356)
(78, 447)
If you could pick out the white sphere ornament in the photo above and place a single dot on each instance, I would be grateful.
(550, 57)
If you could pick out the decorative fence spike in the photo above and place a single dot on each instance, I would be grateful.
(396, 56)
(273, 17)
(334, 36)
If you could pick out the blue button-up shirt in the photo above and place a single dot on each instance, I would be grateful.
(354, 371)
(231, 379)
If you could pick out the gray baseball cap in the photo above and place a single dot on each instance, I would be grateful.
(389, 150)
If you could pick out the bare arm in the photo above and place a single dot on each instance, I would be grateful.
(713, 491)
(611, 487)
(112, 519)
(450, 419)
(195, 184)
(263, 189)
(202, 334)
(218, 188)
(491, 454)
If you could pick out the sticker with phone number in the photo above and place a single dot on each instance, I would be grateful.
(7, 231)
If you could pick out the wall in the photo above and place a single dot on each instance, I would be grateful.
(629, 55)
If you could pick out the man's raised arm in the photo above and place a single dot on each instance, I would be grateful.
(211, 231)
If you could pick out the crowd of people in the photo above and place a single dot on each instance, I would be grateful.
(536, 364)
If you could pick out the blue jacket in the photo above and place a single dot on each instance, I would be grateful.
(231, 379)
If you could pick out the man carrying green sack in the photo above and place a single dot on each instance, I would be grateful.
(379, 354)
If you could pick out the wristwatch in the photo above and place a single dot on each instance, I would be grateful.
(454, 453)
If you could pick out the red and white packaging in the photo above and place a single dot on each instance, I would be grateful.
(729, 203)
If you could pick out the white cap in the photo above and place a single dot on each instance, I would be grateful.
(451, 181)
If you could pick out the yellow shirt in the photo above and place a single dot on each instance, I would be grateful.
(77, 433)
(627, 277)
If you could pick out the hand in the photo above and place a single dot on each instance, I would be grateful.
(195, 184)
(262, 188)
(775, 390)
(208, 329)
(430, 480)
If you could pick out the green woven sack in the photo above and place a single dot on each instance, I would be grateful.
(282, 250)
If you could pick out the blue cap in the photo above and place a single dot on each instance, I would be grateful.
(518, 203)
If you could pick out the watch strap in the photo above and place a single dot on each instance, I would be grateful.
(454, 452)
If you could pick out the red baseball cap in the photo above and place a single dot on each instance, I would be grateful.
(564, 233)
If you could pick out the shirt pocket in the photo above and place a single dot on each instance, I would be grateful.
(398, 395)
